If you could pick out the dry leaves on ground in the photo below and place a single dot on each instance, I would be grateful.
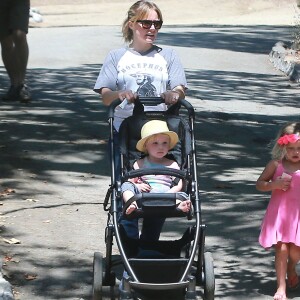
(11, 241)
(7, 191)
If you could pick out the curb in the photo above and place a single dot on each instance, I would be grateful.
(278, 56)
(6, 292)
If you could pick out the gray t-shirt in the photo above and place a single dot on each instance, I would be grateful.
(148, 74)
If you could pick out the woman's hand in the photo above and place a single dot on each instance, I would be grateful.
(108, 96)
(170, 97)
(128, 95)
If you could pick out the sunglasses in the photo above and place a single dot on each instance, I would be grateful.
(146, 24)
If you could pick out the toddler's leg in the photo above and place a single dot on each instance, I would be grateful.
(128, 190)
(183, 203)
(184, 206)
(133, 206)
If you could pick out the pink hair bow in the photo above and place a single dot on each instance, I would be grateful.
(288, 138)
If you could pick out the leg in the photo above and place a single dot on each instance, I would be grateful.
(11, 66)
(133, 206)
(183, 202)
(131, 227)
(152, 228)
(281, 256)
(128, 190)
(15, 56)
(293, 259)
(15, 50)
(184, 206)
(20, 55)
(7, 47)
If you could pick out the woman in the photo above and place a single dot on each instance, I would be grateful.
(141, 68)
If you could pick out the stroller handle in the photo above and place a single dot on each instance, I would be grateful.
(151, 101)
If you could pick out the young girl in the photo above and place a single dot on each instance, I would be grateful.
(281, 225)
(156, 142)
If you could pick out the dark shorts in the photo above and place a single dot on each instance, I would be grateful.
(14, 14)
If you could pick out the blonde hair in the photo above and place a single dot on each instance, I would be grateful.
(278, 152)
(138, 11)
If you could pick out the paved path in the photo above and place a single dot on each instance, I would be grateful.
(53, 155)
(103, 12)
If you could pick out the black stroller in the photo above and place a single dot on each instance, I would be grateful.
(164, 269)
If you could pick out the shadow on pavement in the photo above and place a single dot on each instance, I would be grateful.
(60, 139)
(252, 39)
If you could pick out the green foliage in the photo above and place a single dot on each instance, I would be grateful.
(296, 32)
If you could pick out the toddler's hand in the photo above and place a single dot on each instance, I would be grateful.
(143, 187)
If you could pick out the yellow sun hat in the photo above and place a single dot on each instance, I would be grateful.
(156, 127)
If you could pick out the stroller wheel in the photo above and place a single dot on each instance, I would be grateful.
(209, 277)
(98, 276)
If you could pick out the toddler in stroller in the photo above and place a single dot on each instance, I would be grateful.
(156, 141)
(182, 263)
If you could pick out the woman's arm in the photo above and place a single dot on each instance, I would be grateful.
(108, 96)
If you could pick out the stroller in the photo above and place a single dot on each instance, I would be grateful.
(164, 269)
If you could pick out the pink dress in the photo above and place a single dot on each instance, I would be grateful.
(282, 219)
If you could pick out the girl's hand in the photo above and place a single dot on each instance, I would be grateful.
(128, 95)
(281, 183)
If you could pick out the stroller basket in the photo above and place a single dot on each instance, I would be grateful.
(170, 270)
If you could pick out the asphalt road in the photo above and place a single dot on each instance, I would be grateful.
(54, 155)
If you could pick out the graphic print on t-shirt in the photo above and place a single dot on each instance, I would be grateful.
(144, 81)
(145, 75)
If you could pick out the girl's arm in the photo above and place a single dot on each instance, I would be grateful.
(142, 186)
(265, 183)
(176, 188)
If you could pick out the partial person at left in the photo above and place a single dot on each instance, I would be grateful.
(14, 21)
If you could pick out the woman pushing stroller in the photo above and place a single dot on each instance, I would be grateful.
(123, 76)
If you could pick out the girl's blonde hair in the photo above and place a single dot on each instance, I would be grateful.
(278, 152)
(138, 11)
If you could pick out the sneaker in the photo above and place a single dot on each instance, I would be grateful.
(11, 95)
(24, 93)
